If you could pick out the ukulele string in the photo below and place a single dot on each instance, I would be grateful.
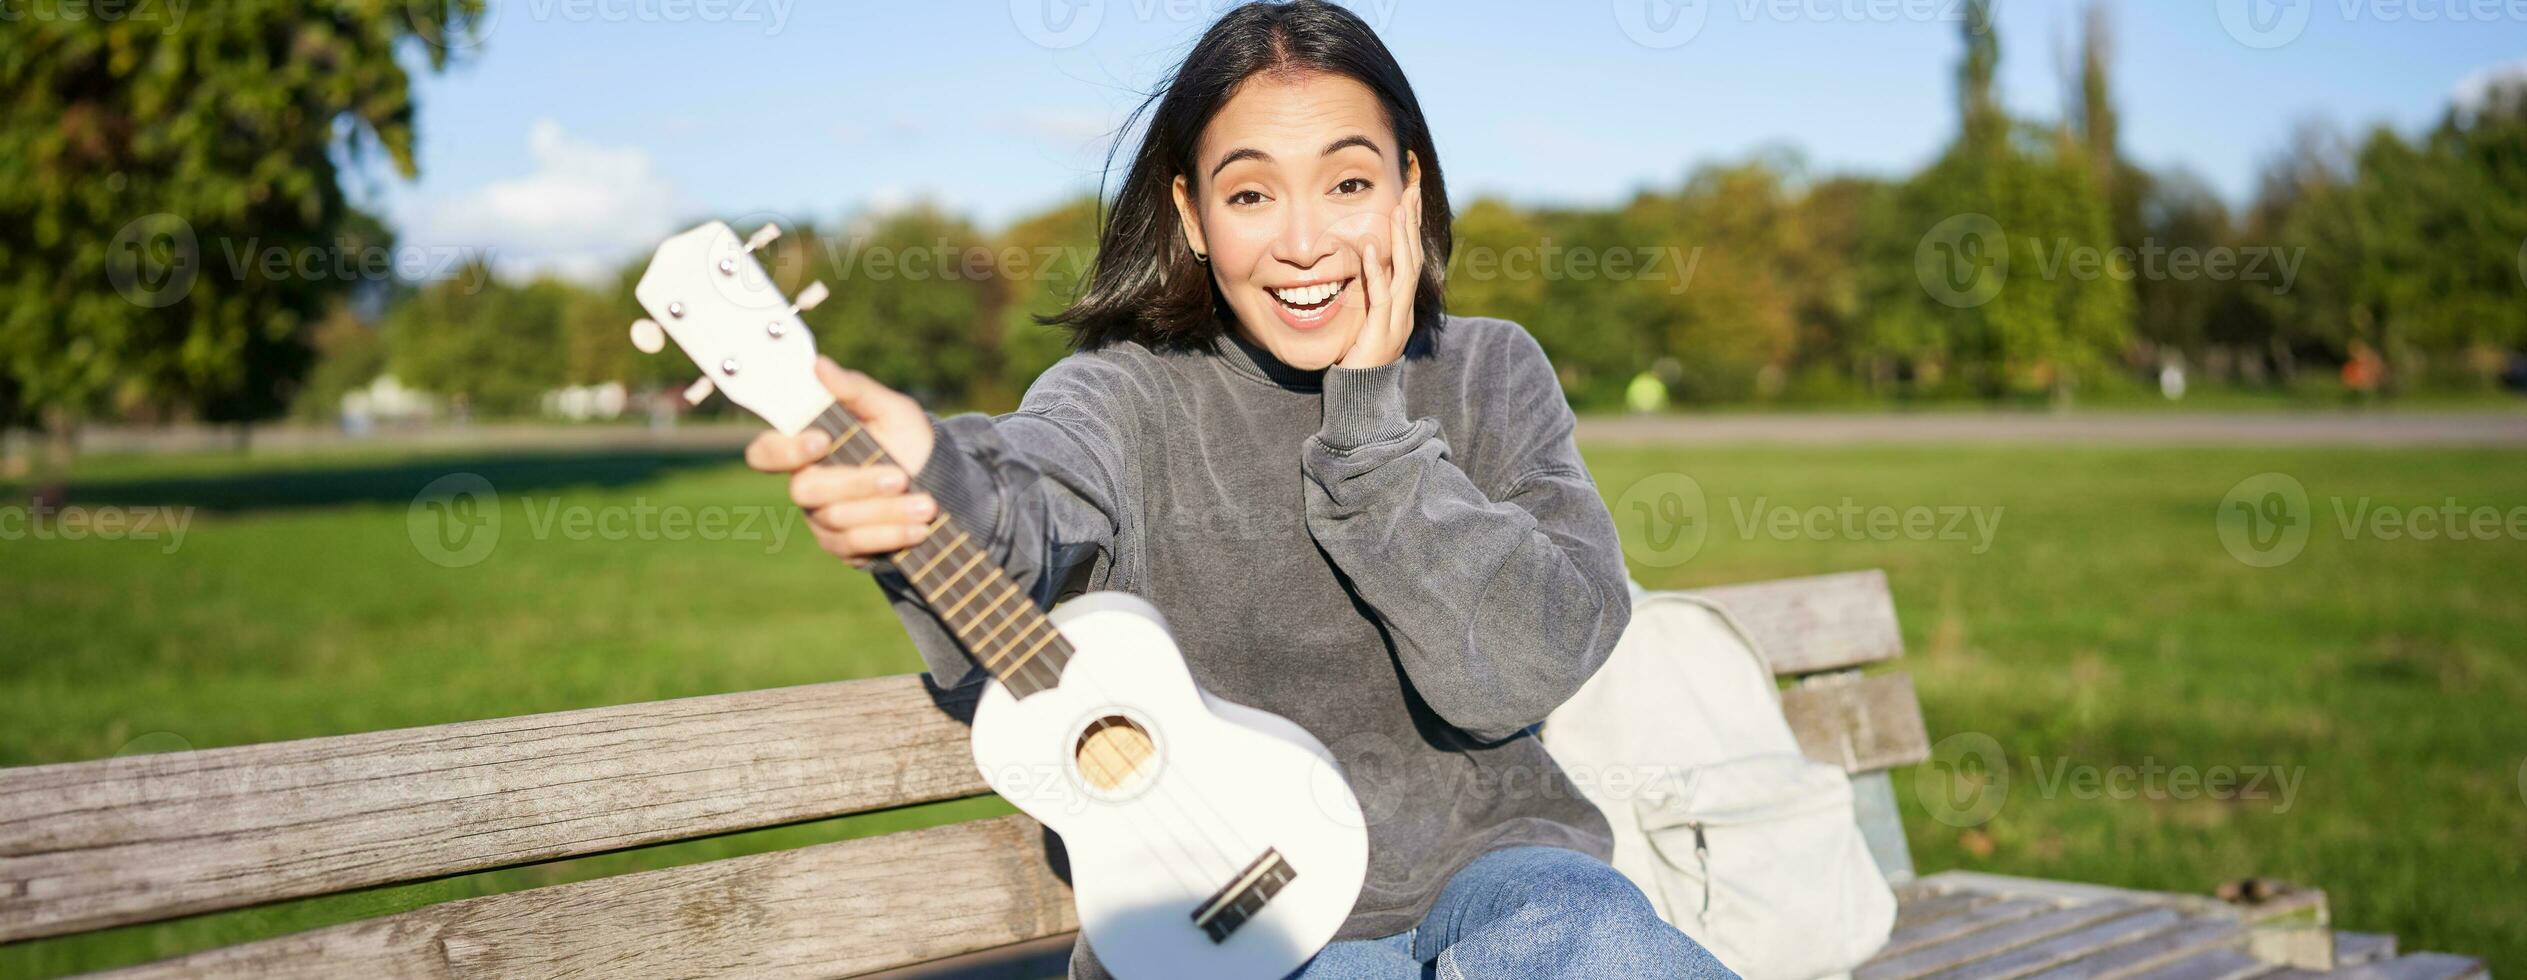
(837, 424)
(1106, 751)
(1232, 858)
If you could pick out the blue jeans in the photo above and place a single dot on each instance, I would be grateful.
(1527, 912)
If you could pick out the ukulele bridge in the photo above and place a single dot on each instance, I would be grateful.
(1244, 895)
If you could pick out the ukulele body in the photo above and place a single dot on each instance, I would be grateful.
(1206, 839)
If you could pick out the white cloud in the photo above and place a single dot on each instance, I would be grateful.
(583, 211)
(2476, 87)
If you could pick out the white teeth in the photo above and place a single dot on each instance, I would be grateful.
(1310, 295)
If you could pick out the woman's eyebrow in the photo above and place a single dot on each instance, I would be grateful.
(1250, 153)
(1354, 139)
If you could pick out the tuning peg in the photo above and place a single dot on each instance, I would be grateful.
(698, 390)
(763, 236)
(808, 298)
(648, 336)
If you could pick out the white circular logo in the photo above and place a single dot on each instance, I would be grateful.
(1663, 520)
(2265, 24)
(1057, 24)
(153, 260)
(1661, 23)
(2264, 519)
(1369, 764)
(752, 283)
(1966, 781)
(1964, 260)
(455, 521)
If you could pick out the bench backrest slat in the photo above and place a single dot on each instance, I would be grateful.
(827, 910)
(1820, 623)
(1861, 723)
(140, 838)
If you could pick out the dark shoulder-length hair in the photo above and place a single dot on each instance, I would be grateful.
(1146, 285)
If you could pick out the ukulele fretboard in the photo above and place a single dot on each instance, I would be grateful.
(997, 622)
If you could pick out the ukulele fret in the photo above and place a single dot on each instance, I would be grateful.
(950, 570)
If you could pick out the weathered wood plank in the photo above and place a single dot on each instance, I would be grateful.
(1826, 622)
(1922, 911)
(1862, 723)
(2411, 966)
(2428, 966)
(1906, 940)
(2185, 940)
(828, 910)
(140, 838)
(1988, 942)
(2355, 948)
(2218, 964)
(1036, 959)
(2065, 947)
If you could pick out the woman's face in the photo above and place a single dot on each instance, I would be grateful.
(1291, 178)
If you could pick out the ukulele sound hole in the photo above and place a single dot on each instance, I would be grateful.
(1113, 753)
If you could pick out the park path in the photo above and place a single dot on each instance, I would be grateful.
(2116, 428)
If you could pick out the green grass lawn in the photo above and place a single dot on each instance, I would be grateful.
(2101, 628)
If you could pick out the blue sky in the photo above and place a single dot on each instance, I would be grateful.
(579, 131)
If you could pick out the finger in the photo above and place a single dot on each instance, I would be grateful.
(773, 452)
(874, 511)
(884, 539)
(817, 486)
(860, 394)
(834, 543)
(1414, 227)
(1405, 269)
(1375, 271)
(1408, 262)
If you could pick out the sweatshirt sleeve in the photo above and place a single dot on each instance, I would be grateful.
(1044, 488)
(1501, 596)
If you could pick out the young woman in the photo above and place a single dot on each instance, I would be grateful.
(1355, 512)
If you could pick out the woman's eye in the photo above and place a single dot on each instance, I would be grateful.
(1245, 199)
(1355, 185)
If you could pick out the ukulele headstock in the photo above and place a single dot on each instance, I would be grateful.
(704, 289)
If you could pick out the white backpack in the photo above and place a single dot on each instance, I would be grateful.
(1737, 838)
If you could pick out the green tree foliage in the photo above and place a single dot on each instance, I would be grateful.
(490, 347)
(2028, 259)
(148, 163)
(1992, 270)
(1044, 259)
(2409, 247)
(915, 301)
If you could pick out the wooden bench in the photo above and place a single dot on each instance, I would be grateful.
(93, 845)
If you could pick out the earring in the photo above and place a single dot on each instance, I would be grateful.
(1203, 257)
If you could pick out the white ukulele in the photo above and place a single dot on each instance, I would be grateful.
(1206, 839)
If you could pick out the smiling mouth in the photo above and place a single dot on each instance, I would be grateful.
(1309, 299)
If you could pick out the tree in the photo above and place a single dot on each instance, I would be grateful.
(492, 348)
(149, 168)
(1993, 263)
(915, 302)
(1042, 260)
(2410, 248)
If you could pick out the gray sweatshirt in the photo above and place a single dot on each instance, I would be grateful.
(1409, 561)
